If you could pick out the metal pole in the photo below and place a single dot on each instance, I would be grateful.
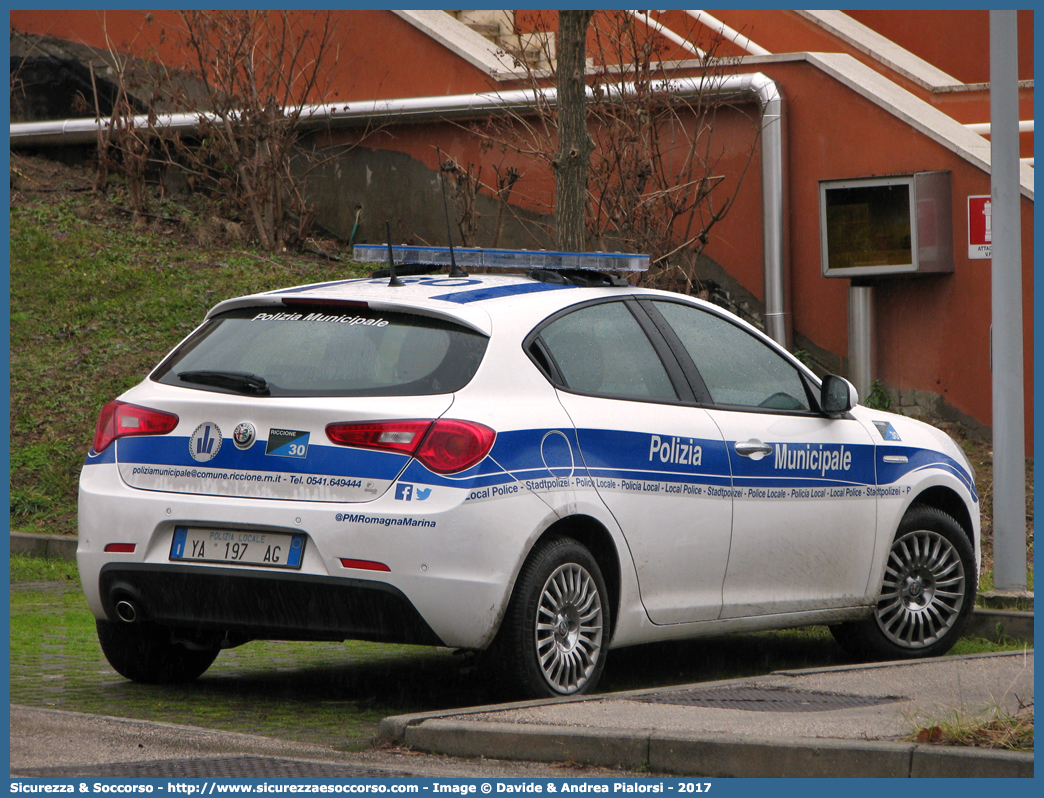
(1009, 446)
(774, 217)
(861, 338)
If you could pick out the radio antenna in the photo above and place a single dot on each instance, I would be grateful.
(455, 270)
(394, 281)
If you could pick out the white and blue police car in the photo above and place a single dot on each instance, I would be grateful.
(540, 466)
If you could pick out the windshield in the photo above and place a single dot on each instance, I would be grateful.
(324, 351)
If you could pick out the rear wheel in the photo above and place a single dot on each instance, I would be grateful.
(552, 642)
(927, 592)
(149, 654)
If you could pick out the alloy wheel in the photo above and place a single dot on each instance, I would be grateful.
(568, 628)
(924, 590)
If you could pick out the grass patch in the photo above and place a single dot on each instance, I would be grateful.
(967, 646)
(994, 728)
(986, 584)
(43, 569)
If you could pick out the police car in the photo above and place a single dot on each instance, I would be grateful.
(540, 466)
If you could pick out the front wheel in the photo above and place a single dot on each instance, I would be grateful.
(553, 638)
(927, 592)
(148, 654)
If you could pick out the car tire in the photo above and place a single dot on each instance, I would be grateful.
(148, 654)
(554, 636)
(928, 589)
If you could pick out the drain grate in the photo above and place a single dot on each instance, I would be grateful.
(237, 767)
(767, 699)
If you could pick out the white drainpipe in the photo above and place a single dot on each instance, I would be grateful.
(754, 86)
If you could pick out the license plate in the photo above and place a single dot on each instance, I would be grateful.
(237, 547)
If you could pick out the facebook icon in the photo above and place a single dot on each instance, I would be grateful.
(403, 492)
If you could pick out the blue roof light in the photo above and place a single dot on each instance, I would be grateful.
(505, 258)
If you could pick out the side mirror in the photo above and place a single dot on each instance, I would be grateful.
(838, 395)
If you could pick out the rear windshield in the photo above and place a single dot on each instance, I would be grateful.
(324, 351)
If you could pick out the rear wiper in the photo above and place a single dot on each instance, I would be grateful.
(242, 381)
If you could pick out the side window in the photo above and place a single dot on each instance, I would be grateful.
(601, 350)
(738, 369)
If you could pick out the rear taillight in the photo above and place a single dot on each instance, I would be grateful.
(395, 436)
(453, 445)
(121, 420)
(444, 446)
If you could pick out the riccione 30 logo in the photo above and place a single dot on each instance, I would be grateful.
(809, 459)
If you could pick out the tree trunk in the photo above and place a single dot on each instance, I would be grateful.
(574, 142)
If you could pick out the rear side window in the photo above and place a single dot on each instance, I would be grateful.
(319, 351)
(601, 350)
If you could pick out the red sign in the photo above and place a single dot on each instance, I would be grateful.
(980, 227)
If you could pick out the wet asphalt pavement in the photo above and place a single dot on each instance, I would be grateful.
(56, 744)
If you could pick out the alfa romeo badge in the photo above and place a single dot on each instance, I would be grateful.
(244, 435)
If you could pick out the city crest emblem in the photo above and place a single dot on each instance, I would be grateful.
(205, 442)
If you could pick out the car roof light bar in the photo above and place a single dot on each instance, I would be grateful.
(475, 257)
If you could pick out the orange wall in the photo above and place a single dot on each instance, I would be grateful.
(419, 66)
(733, 138)
(779, 31)
(957, 42)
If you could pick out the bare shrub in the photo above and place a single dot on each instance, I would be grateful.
(253, 80)
(465, 189)
(125, 137)
(655, 182)
(258, 69)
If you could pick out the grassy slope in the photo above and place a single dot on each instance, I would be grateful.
(95, 303)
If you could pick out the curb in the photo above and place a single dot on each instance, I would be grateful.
(54, 546)
(451, 732)
(720, 756)
(996, 624)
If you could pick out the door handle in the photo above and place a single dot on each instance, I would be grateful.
(754, 449)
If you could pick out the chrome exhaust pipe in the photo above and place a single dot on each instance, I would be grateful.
(127, 611)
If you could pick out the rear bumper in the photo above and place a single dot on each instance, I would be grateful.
(449, 561)
(264, 605)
